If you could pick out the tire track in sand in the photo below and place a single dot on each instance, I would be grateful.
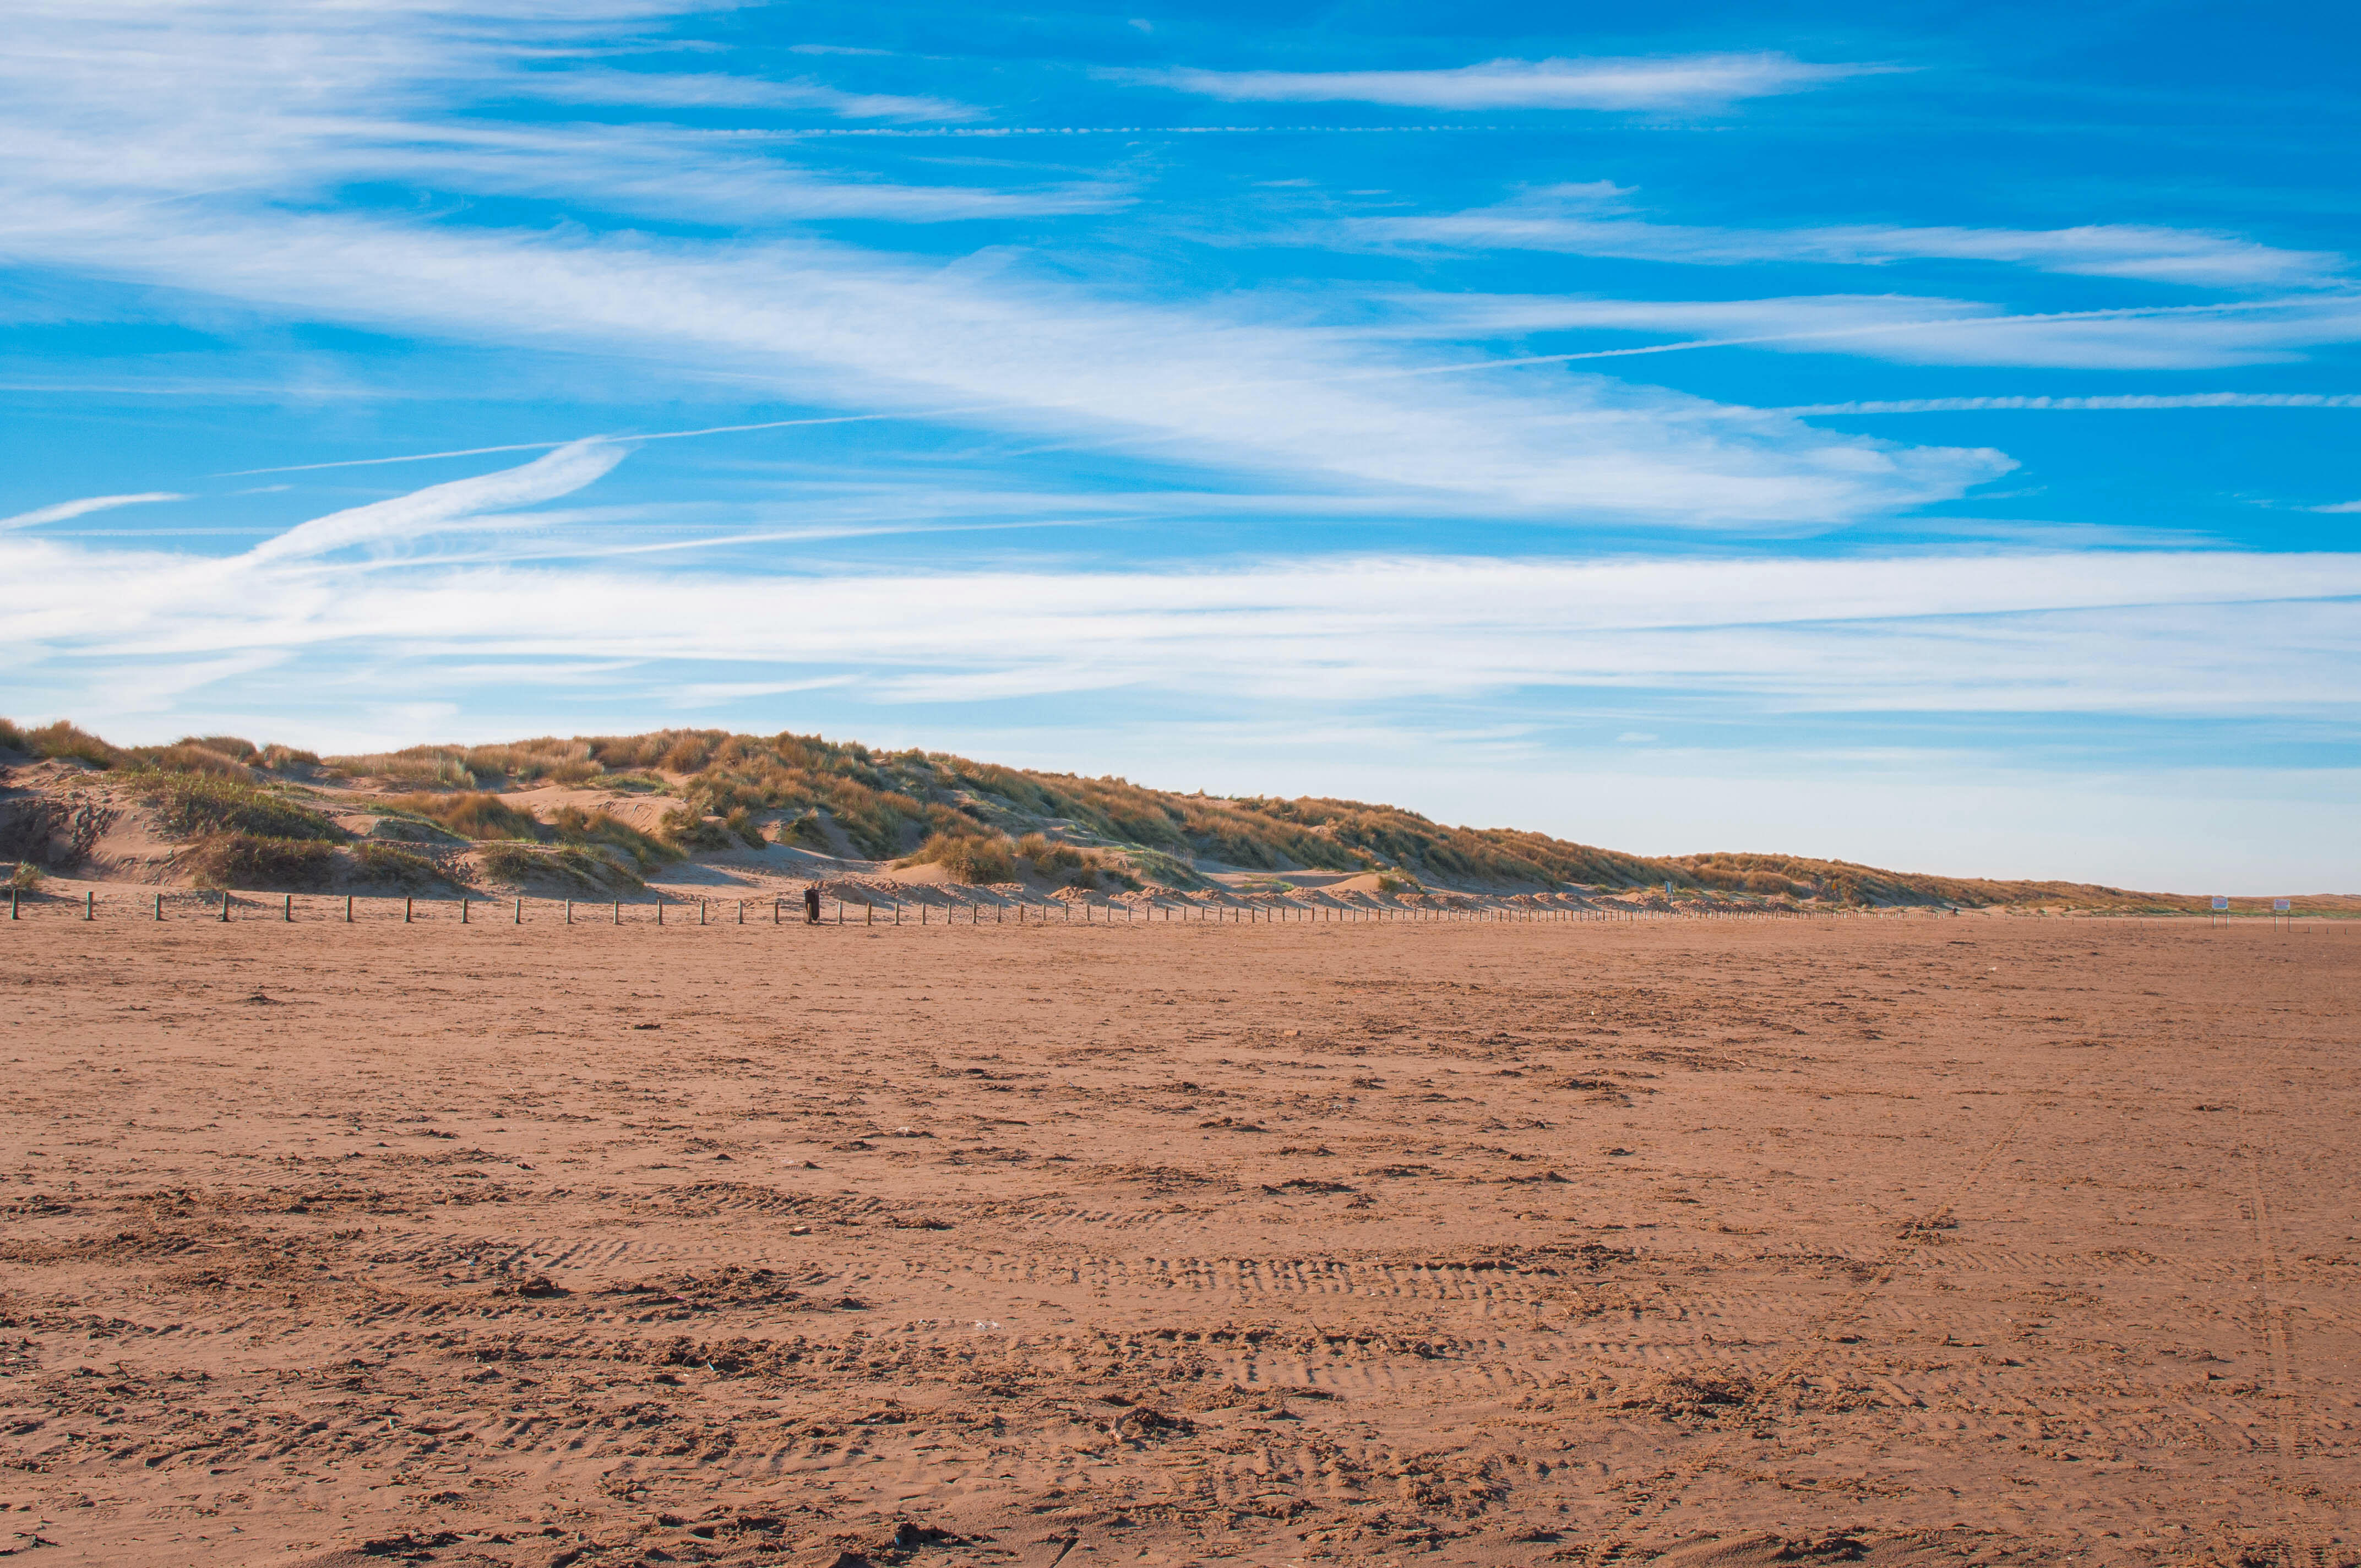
(1817, 1336)
(2274, 1337)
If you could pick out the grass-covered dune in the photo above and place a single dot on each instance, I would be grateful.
(979, 821)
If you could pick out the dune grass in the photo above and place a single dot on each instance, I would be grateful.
(474, 814)
(488, 818)
(911, 803)
(391, 862)
(192, 805)
(571, 864)
(195, 757)
(688, 828)
(62, 740)
(975, 857)
(1069, 867)
(226, 756)
(596, 829)
(235, 859)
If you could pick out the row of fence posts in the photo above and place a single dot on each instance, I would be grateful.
(1206, 913)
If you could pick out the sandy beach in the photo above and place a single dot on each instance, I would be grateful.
(1970, 1240)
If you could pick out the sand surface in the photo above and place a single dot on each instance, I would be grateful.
(1960, 1240)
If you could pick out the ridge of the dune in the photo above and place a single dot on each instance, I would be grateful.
(635, 815)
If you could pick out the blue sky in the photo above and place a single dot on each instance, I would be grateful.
(1922, 434)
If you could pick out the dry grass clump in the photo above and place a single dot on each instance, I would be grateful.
(568, 863)
(968, 858)
(403, 868)
(596, 829)
(473, 814)
(1070, 867)
(784, 773)
(546, 761)
(488, 818)
(63, 740)
(233, 746)
(427, 765)
(196, 757)
(688, 828)
(193, 805)
(255, 860)
(27, 877)
(226, 756)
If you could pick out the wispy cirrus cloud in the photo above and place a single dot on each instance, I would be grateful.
(1593, 219)
(1693, 82)
(2130, 402)
(713, 90)
(459, 503)
(61, 510)
(1915, 329)
(859, 327)
(2160, 632)
(96, 108)
(299, 102)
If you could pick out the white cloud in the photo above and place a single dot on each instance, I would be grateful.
(192, 148)
(2158, 633)
(671, 90)
(281, 102)
(1680, 81)
(1911, 330)
(851, 326)
(1591, 219)
(442, 507)
(64, 509)
(2128, 401)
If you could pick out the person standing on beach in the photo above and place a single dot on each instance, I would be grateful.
(811, 905)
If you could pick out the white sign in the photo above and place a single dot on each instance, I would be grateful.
(2280, 904)
(2220, 902)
